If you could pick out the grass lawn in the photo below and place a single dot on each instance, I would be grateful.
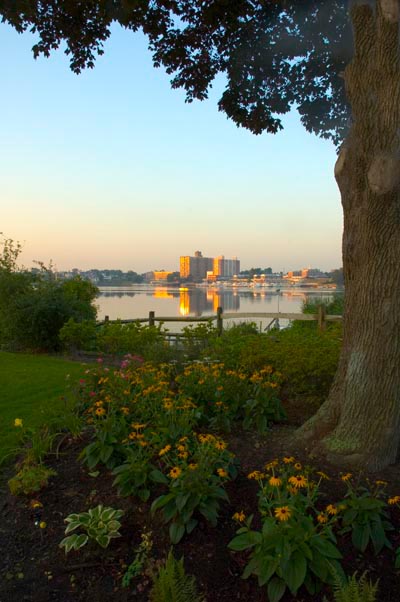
(31, 387)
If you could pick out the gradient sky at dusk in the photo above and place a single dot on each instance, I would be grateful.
(111, 169)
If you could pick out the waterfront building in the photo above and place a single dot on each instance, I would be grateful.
(195, 267)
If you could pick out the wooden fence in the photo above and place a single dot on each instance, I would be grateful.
(274, 317)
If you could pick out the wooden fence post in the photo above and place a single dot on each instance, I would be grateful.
(219, 321)
(321, 317)
(151, 318)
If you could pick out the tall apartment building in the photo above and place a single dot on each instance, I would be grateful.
(226, 267)
(196, 267)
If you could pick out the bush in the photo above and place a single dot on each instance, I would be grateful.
(35, 306)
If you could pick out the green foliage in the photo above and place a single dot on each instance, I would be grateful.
(100, 524)
(34, 305)
(31, 478)
(171, 584)
(296, 545)
(132, 477)
(354, 590)
(365, 517)
(76, 336)
(197, 469)
(139, 562)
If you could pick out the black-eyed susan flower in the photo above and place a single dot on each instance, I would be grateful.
(288, 459)
(164, 450)
(283, 513)
(221, 445)
(298, 466)
(256, 474)
(331, 509)
(175, 472)
(271, 464)
(394, 500)
(323, 475)
(346, 477)
(298, 481)
(239, 516)
(222, 473)
(322, 518)
(275, 482)
(192, 466)
(100, 411)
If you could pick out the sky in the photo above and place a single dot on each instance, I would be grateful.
(112, 169)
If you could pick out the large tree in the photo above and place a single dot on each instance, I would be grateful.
(337, 62)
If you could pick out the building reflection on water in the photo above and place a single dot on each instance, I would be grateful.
(196, 302)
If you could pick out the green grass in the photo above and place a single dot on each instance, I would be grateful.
(31, 388)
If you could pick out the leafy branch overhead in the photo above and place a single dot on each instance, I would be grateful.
(273, 54)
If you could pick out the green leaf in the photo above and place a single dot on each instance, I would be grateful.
(103, 540)
(144, 494)
(276, 589)
(176, 532)
(360, 536)
(81, 540)
(191, 524)
(245, 540)
(294, 571)
(158, 477)
(267, 568)
(181, 500)
(161, 501)
(324, 547)
(72, 526)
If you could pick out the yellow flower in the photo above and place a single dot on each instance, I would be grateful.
(100, 411)
(125, 410)
(323, 475)
(98, 403)
(143, 443)
(298, 481)
(132, 436)
(181, 448)
(42, 524)
(18, 422)
(394, 500)
(331, 509)
(168, 405)
(221, 445)
(275, 482)
(164, 450)
(271, 464)
(283, 513)
(347, 477)
(192, 466)
(221, 472)
(292, 490)
(322, 518)
(183, 455)
(136, 425)
(256, 474)
(175, 472)
(289, 460)
(381, 483)
(298, 466)
(239, 516)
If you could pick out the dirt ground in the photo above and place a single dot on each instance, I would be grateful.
(34, 569)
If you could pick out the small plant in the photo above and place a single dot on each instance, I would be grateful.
(141, 556)
(30, 479)
(101, 525)
(365, 515)
(171, 584)
(198, 469)
(353, 589)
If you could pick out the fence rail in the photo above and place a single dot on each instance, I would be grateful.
(321, 317)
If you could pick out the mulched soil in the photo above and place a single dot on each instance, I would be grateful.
(34, 569)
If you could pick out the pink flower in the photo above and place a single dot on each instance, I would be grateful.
(99, 360)
(82, 381)
(92, 394)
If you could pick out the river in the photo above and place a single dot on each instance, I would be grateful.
(138, 300)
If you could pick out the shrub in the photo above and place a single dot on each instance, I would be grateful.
(35, 306)
(30, 479)
(354, 590)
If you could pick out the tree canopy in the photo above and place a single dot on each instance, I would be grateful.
(275, 54)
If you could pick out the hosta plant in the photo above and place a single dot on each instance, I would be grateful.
(100, 525)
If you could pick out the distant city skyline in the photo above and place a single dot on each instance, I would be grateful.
(111, 169)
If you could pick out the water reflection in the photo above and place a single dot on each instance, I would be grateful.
(198, 301)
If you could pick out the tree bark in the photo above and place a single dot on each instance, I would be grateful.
(359, 423)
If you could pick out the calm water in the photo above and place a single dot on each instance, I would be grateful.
(138, 301)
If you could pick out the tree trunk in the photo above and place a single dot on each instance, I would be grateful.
(359, 423)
